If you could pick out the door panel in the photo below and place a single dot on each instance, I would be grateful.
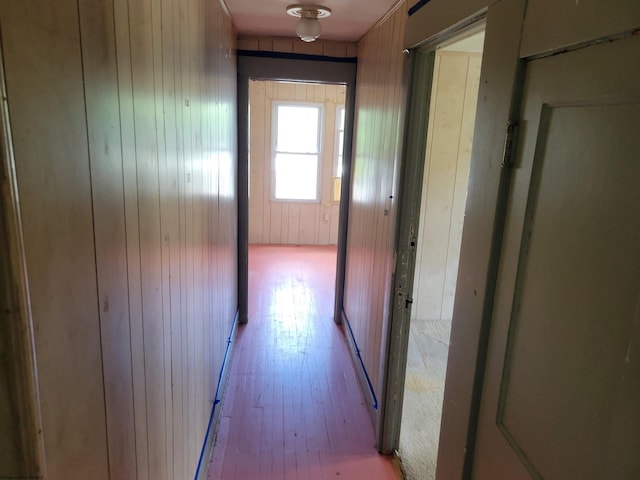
(562, 382)
(574, 22)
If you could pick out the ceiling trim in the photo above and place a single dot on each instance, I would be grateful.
(224, 6)
(295, 69)
(385, 17)
(296, 56)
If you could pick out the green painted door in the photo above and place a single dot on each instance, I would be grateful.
(561, 394)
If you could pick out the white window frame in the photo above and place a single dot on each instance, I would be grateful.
(338, 153)
(319, 153)
(336, 178)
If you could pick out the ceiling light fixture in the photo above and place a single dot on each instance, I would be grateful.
(308, 27)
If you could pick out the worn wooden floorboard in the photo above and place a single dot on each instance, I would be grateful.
(293, 408)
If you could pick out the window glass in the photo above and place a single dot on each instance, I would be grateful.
(297, 129)
(296, 152)
(296, 177)
(340, 134)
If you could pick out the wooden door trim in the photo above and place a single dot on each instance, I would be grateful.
(17, 325)
(412, 167)
(418, 78)
(498, 108)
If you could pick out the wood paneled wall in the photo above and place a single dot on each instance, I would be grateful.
(376, 154)
(328, 48)
(123, 115)
(444, 190)
(280, 222)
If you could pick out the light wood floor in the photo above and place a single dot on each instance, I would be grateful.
(293, 408)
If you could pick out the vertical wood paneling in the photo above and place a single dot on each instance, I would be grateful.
(291, 222)
(164, 172)
(459, 193)
(105, 150)
(131, 223)
(308, 48)
(265, 44)
(372, 206)
(453, 105)
(170, 215)
(294, 224)
(126, 162)
(328, 48)
(147, 168)
(47, 108)
(284, 45)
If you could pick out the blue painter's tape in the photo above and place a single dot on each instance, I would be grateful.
(364, 369)
(216, 400)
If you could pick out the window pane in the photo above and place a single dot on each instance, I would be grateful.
(340, 134)
(296, 177)
(340, 150)
(297, 129)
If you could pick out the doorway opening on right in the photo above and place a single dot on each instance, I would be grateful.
(452, 112)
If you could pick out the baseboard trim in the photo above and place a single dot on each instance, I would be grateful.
(361, 370)
(214, 418)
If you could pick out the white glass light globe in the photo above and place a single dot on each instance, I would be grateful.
(308, 29)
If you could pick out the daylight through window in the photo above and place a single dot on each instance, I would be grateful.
(296, 151)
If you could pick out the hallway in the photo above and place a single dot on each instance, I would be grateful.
(293, 408)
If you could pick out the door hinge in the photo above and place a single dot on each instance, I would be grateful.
(510, 141)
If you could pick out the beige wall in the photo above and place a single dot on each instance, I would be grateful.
(444, 189)
(328, 48)
(123, 118)
(376, 156)
(281, 222)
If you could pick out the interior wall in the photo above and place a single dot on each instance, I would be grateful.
(446, 175)
(372, 210)
(321, 46)
(285, 222)
(123, 116)
(452, 112)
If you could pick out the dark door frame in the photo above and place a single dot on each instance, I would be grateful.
(254, 65)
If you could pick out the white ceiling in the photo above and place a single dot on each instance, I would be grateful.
(349, 21)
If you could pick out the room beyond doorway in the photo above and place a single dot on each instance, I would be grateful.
(452, 108)
(295, 162)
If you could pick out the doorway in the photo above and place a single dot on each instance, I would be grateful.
(295, 163)
(292, 69)
(435, 232)
(296, 139)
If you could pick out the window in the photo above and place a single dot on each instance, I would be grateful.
(340, 139)
(296, 152)
(337, 171)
